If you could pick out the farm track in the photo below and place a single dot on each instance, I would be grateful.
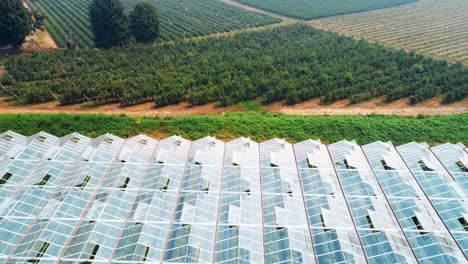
(311, 107)
(261, 11)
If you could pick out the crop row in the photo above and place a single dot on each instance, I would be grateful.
(432, 27)
(293, 63)
(312, 9)
(179, 19)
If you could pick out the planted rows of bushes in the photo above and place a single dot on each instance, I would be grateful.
(311, 9)
(432, 27)
(258, 126)
(179, 19)
(293, 63)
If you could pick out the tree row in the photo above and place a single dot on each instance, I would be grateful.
(293, 63)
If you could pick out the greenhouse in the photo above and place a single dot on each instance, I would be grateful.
(75, 199)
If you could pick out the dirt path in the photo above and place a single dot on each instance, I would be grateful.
(375, 106)
(311, 107)
(261, 11)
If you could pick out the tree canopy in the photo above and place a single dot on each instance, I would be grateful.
(144, 22)
(109, 23)
(293, 63)
(15, 22)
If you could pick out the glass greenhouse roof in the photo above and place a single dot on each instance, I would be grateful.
(109, 200)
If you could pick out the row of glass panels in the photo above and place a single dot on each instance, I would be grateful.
(76, 199)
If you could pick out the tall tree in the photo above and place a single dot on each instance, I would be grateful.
(15, 22)
(144, 22)
(109, 23)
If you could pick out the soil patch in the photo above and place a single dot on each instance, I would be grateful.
(311, 107)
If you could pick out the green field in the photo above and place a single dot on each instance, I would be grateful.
(179, 19)
(311, 9)
(431, 27)
(258, 126)
(293, 63)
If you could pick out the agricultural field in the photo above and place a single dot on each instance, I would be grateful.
(292, 63)
(257, 126)
(312, 9)
(179, 19)
(432, 27)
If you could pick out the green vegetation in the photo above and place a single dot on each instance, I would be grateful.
(258, 126)
(251, 105)
(179, 19)
(311, 9)
(418, 26)
(44, 180)
(144, 22)
(109, 23)
(112, 27)
(295, 63)
(15, 22)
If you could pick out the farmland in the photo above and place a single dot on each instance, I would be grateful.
(179, 19)
(311, 9)
(257, 126)
(293, 63)
(431, 27)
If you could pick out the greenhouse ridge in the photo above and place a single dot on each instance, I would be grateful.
(140, 200)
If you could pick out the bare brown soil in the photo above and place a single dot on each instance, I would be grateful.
(146, 109)
(39, 40)
(311, 107)
(376, 106)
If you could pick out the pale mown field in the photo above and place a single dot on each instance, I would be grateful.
(437, 28)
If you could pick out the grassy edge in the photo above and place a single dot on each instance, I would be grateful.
(259, 126)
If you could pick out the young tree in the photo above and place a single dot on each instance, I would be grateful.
(71, 40)
(144, 22)
(15, 22)
(109, 23)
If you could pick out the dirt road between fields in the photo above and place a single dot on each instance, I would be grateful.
(311, 107)
(265, 12)
(260, 11)
(376, 106)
